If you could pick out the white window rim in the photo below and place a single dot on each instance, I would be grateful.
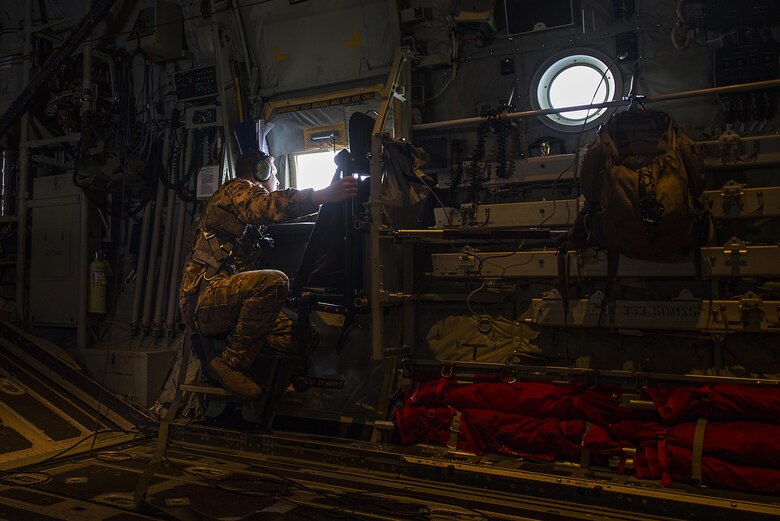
(557, 64)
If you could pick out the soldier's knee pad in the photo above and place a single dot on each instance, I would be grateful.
(271, 284)
(280, 282)
(282, 279)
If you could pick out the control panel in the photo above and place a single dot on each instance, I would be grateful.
(196, 83)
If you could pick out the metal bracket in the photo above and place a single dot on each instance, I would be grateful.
(467, 262)
(729, 139)
(750, 307)
(468, 213)
(732, 194)
(735, 252)
(685, 294)
(729, 144)
(360, 224)
(596, 300)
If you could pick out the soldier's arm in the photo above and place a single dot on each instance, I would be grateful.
(256, 206)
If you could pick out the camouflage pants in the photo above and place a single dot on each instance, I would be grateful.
(248, 307)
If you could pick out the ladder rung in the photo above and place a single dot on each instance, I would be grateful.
(205, 389)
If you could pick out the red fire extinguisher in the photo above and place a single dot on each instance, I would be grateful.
(98, 284)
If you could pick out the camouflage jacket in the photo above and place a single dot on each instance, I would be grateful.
(233, 206)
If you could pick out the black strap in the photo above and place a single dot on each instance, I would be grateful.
(214, 255)
(301, 330)
(348, 318)
(650, 209)
(698, 450)
(563, 278)
(697, 261)
(613, 261)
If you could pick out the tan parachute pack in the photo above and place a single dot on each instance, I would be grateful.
(641, 179)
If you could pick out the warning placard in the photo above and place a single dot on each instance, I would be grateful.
(332, 102)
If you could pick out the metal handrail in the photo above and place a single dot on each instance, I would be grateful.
(731, 89)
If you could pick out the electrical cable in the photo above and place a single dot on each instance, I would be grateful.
(501, 128)
(475, 176)
(21, 470)
(454, 59)
(433, 193)
(681, 23)
(100, 203)
(577, 146)
(98, 417)
(136, 116)
(478, 273)
(173, 179)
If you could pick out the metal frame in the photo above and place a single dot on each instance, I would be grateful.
(747, 314)
(24, 166)
(734, 259)
(271, 107)
(736, 201)
(398, 86)
(466, 370)
(731, 89)
(495, 479)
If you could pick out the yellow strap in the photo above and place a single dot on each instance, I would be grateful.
(585, 454)
(698, 449)
(454, 430)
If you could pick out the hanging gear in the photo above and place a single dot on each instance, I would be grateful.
(264, 167)
(641, 180)
(227, 245)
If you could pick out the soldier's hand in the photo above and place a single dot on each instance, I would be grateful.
(339, 190)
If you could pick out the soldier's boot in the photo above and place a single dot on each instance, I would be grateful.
(234, 380)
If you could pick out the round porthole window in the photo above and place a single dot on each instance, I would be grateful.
(575, 78)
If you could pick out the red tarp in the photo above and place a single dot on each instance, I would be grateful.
(717, 402)
(747, 443)
(423, 424)
(537, 399)
(650, 463)
(484, 432)
(735, 455)
(545, 422)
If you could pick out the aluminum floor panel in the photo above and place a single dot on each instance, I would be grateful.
(41, 415)
(206, 485)
(228, 475)
(47, 405)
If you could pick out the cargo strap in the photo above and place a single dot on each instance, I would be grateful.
(650, 210)
(663, 458)
(562, 256)
(454, 431)
(585, 454)
(214, 256)
(613, 263)
(698, 450)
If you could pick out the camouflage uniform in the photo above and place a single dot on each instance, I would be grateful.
(218, 293)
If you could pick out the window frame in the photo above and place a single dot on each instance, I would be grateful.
(293, 176)
(554, 66)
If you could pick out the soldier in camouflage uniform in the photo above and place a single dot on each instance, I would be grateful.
(220, 292)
